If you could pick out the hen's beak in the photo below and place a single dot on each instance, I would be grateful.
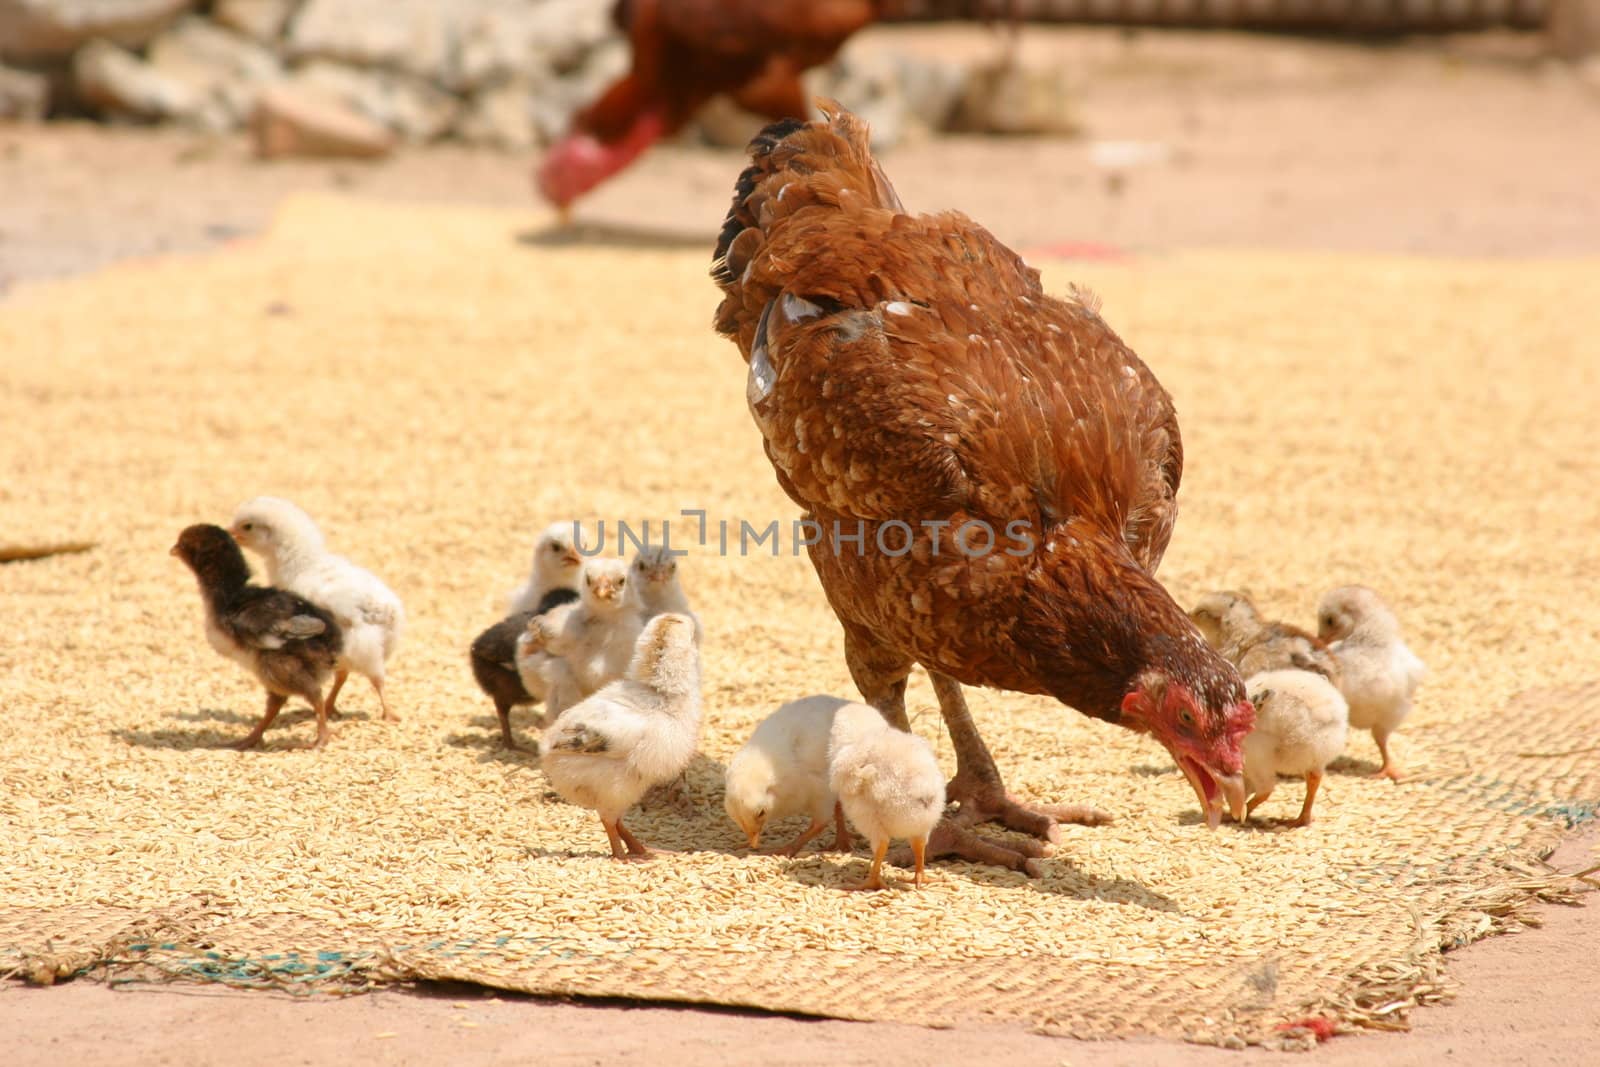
(1214, 789)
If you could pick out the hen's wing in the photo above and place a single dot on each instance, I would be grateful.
(913, 367)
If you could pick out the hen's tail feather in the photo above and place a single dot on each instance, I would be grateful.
(795, 165)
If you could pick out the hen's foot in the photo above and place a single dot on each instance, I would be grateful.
(989, 802)
(954, 838)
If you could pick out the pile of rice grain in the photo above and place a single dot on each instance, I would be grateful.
(434, 391)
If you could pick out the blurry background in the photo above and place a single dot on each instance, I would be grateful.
(1104, 127)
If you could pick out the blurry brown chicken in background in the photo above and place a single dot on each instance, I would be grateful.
(684, 53)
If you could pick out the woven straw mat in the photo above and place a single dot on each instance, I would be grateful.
(434, 385)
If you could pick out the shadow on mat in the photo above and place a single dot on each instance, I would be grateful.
(618, 235)
(488, 746)
(184, 740)
(1061, 878)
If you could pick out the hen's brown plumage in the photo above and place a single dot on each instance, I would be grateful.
(912, 369)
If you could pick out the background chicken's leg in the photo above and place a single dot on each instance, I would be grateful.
(275, 702)
(1313, 780)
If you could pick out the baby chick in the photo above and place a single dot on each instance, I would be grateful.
(289, 644)
(494, 662)
(887, 781)
(783, 770)
(297, 559)
(555, 566)
(552, 582)
(1378, 674)
(655, 576)
(573, 650)
(605, 751)
(1233, 626)
(1302, 723)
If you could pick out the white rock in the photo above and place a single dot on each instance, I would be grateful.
(116, 81)
(293, 120)
(501, 41)
(500, 116)
(411, 107)
(556, 98)
(225, 67)
(409, 35)
(40, 29)
(24, 95)
(260, 20)
(1010, 99)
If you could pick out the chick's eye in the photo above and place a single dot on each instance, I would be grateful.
(247, 527)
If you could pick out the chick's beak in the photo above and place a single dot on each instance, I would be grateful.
(755, 838)
(173, 551)
(572, 559)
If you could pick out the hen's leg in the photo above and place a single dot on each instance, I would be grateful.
(977, 786)
(1390, 769)
(333, 694)
(880, 673)
(1313, 780)
(275, 704)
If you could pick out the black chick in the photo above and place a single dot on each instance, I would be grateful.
(289, 644)
(494, 660)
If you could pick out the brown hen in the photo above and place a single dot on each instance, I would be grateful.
(910, 375)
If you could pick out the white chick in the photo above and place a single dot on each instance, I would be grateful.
(1302, 723)
(1378, 674)
(297, 559)
(606, 751)
(555, 566)
(573, 650)
(655, 576)
(888, 783)
(783, 770)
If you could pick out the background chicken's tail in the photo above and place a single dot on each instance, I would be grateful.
(794, 166)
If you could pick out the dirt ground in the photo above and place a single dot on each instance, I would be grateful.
(1467, 147)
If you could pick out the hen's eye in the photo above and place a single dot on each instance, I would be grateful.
(1186, 716)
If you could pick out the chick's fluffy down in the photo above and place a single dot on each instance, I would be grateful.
(606, 751)
(888, 781)
(297, 558)
(783, 769)
(1302, 723)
